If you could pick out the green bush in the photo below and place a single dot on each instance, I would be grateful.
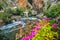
(8, 13)
(53, 12)
(4, 17)
(22, 10)
(19, 11)
(30, 13)
(1, 6)
(2, 36)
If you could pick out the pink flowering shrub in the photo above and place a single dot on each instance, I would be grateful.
(33, 32)
(45, 19)
(42, 28)
(54, 25)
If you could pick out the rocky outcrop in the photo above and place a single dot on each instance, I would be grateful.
(33, 4)
(23, 3)
(38, 5)
(8, 3)
(51, 3)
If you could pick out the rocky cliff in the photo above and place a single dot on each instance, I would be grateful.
(35, 4)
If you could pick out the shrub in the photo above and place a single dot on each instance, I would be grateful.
(30, 13)
(19, 11)
(1, 6)
(43, 30)
(53, 12)
(4, 17)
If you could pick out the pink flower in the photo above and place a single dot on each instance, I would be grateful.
(46, 19)
(31, 36)
(37, 23)
(25, 38)
(33, 29)
(37, 28)
(33, 33)
(54, 26)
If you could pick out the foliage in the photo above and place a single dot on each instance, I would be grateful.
(8, 13)
(2, 37)
(53, 12)
(43, 31)
(30, 13)
(1, 6)
(52, 21)
(20, 11)
(8, 10)
(16, 11)
(4, 17)
(30, 1)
